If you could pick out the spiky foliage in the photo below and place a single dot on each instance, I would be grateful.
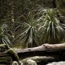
(3, 38)
(29, 36)
(52, 30)
(24, 33)
(12, 30)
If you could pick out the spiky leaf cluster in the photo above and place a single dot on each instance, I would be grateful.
(52, 29)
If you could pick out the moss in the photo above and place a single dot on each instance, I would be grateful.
(9, 52)
(13, 54)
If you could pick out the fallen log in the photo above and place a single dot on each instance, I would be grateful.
(44, 47)
(55, 51)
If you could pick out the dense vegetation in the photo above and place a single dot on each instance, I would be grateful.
(31, 23)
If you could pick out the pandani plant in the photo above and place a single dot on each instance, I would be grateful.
(51, 28)
(3, 38)
(29, 37)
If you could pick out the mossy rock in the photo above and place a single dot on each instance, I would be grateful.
(7, 54)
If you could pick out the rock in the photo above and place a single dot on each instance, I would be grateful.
(16, 63)
(57, 63)
(31, 62)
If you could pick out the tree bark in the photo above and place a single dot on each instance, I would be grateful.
(50, 53)
(45, 47)
(54, 50)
